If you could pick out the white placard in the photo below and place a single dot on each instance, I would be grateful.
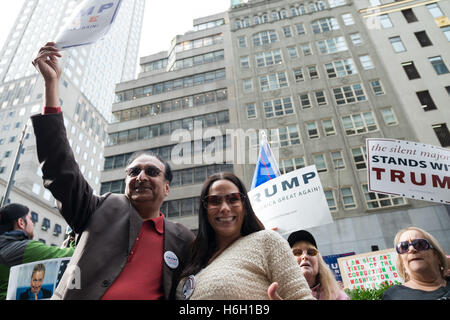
(408, 169)
(90, 21)
(292, 201)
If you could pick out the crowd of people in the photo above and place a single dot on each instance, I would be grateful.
(147, 256)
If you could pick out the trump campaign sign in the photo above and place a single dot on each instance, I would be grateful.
(292, 201)
(90, 21)
(408, 169)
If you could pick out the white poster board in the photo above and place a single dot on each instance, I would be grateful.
(408, 169)
(90, 21)
(35, 280)
(292, 201)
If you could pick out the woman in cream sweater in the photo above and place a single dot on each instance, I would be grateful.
(233, 257)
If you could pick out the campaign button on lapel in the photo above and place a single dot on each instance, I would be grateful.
(171, 259)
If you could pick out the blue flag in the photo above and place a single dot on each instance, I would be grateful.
(266, 166)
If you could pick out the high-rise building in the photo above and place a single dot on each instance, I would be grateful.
(313, 76)
(86, 95)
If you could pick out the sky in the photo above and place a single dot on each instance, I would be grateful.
(163, 20)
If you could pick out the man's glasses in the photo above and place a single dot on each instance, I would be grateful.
(233, 199)
(418, 244)
(310, 252)
(150, 171)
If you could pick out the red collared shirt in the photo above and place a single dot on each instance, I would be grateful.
(141, 278)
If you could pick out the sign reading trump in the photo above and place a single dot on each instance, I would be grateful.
(291, 202)
(409, 169)
(90, 21)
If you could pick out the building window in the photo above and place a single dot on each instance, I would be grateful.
(312, 72)
(347, 198)
(438, 65)
(366, 62)
(336, 3)
(289, 165)
(409, 15)
(359, 157)
(45, 224)
(305, 102)
(423, 39)
(57, 230)
(379, 200)
(242, 42)
(324, 25)
(340, 68)
(448, 90)
(328, 127)
(306, 49)
(349, 94)
(287, 32)
(377, 88)
(338, 160)
(244, 62)
(312, 130)
(410, 70)
(321, 98)
(319, 161)
(359, 123)
(300, 29)
(264, 37)
(247, 85)
(385, 21)
(285, 136)
(356, 39)
(329, 195)
(397, 44)
(442, 133)
(332, 45)
(426, 101)
(348, 19)
(251, 111)
(389, 116)
(273, 81)
(268, 58)
(298, 75)
(278, 107)
(446, 31)
(292, 52)
(34, 217)
(434, 10)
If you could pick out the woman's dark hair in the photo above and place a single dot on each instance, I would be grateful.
(167, 170)
(204, 244)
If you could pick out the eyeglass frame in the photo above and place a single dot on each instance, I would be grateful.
(294, 251)
(224, 196)
(413, 243)
(151, 167)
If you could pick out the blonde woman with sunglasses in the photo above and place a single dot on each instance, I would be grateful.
(422, 263)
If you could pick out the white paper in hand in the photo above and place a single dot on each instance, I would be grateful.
(90, 21)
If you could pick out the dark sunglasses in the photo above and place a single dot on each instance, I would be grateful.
(418, 244)
(150, 171)
(310, 252)
(233, 199)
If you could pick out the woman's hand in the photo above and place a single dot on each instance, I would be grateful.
(272, 292)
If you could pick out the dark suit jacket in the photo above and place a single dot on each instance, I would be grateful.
(108, 224)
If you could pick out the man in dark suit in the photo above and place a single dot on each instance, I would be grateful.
(127, 249)
(35, 291)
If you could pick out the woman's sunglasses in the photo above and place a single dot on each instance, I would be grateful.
(233, 199)
(310, 252)
(418, 244)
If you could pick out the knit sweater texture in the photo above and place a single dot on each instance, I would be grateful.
(246, 269)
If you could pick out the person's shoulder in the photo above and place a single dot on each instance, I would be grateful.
(179, 229)
(392, 292)
(266, 236)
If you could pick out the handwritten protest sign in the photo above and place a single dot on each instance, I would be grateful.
(292, 201)
(409, 169)
(369, 270)
(331, 261)
(37, 280)
(90, 21)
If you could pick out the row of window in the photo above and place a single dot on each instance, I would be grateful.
(184, 177)
(166, 128)
(436, 62)
(170, 105)
(165, 152)
(170, 85)
(209, 25)
(198, 60)
(198, 43)
(279, 14)
(46, 224)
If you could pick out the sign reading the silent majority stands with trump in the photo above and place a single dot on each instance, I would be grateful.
(90, 21)
(369, 270)
(291, 202)
(409, 169)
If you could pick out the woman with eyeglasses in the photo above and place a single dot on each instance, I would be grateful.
(233, 257)
(319, 277)
(422, 263)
